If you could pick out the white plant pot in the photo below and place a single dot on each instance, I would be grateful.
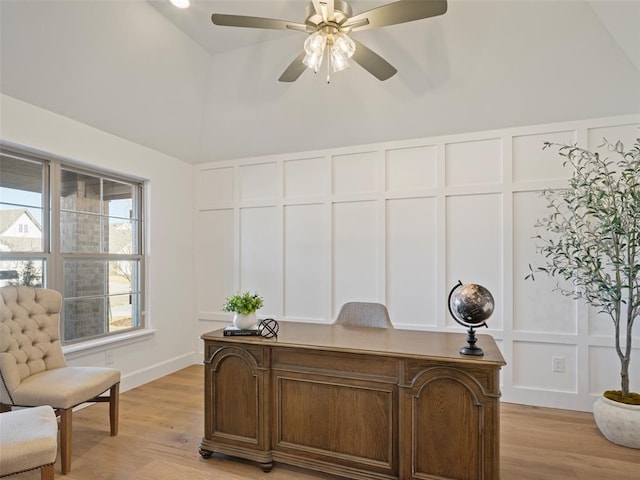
(618, 422)
(245, 321)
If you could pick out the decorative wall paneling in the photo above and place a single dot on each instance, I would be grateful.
(400, 223)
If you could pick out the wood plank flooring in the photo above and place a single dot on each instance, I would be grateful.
(161, 425)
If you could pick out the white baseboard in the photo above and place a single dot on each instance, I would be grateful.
(153, 372)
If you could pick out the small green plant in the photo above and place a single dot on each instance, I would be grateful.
(244, 304)
(591, 239)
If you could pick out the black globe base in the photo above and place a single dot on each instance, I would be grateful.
(471, 348)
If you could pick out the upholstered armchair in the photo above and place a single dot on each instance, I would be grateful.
(33, 370)
(364, 314)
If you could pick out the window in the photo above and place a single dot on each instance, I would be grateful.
(76, 230)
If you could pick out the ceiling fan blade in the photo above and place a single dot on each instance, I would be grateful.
(372, 62)
(398, 12)
(255, 22)
(294, 70)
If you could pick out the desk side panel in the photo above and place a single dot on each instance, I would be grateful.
(237, 402)
(449, 424)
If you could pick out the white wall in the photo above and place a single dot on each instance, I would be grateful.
(115, 65)
(170, 199)
(400, 223)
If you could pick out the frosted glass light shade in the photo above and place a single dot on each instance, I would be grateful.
(344, 45)
(315, 43)
(314, 49)
(339, 61)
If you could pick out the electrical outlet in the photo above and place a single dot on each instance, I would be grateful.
(108, 357)
(557, 364)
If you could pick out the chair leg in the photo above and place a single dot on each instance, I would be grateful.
(114, 402)
(65, 439)
(47, 473)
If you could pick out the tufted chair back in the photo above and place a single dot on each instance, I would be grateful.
(33, 370)
(29, 335)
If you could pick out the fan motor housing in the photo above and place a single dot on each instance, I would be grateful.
(341, 13)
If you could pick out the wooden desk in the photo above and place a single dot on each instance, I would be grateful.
(363, 403)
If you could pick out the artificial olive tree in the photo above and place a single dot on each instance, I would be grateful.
(591, 239)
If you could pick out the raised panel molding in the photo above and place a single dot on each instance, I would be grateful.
(306, 177)
(531, 162)
(533, 361)
(258, 182)
(215, 244)
(355, 252)
(627, 134)
(411, 261)
(411, 169)
(355, 173)
(602, 360)
(260, 262)
(477, 162)
(474, 246)
(399, 223)
(306, 261)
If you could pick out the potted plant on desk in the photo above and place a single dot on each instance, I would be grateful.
(591, 239)
(244, 306)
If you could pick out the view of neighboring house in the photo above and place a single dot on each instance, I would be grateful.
(20, 231)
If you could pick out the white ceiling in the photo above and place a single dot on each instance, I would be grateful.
(195, 21)
(171, 80)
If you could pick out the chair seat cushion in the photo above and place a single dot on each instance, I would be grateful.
(65, 387)
(28, 439)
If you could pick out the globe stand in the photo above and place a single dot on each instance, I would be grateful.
(471, 348)
(470, 314)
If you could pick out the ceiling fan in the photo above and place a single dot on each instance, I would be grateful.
(329, 23)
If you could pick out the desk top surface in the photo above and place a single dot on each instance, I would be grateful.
(379, 341)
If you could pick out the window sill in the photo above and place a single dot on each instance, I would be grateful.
(102, 344)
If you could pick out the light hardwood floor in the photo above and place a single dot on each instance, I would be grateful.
(161, 428)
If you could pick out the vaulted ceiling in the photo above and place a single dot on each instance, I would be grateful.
(171, 80)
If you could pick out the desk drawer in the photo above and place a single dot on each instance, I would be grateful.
(341, 364)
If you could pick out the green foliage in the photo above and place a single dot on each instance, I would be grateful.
(29, 276)
(245, 303)
(591, 236)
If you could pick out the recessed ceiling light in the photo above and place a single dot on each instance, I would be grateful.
(180, 3)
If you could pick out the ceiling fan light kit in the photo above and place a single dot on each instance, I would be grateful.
(329, 24)
(340, 47)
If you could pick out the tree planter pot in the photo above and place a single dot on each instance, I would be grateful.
(245, 321)
(618, 422)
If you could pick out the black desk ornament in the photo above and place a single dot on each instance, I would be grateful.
(268, 328)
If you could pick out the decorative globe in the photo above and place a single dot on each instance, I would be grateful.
(268, 328)
(470, 304)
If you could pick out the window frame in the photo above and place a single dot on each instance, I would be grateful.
(52, 256)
